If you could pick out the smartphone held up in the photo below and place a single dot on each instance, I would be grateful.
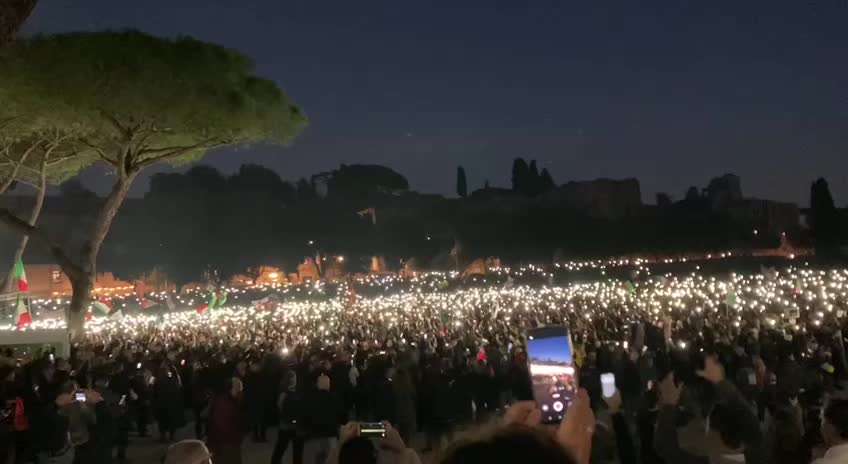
(372, 429)
(608, 384)
(551, 363)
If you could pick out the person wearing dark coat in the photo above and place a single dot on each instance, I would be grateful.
(106, 428)
(168, 403)
(224, 431)
(403, 393)
(289, 405)
(384, 399)
(119, 385)
(322, 417)
(519, 378)
(439, 406)
(253, 402)
(199, 395)
(140, 385)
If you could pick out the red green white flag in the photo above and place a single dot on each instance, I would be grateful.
(20, 276)
(103, 305)
(211, 304)
(222, 298)
(22, 315)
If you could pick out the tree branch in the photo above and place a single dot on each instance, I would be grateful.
(18, 164)
(99, 152)
(165, 150)
(68, 266)
(165, 153)
(117, 124)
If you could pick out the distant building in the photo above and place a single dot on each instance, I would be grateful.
(48, 280)
(725, 195)
(769, 216)
(724, 191)
(600, 198)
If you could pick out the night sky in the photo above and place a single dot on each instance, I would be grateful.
(672, 94)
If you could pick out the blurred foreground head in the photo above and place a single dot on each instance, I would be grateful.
(507, 445)
(358, 450)
(323, 382)
(188, 452)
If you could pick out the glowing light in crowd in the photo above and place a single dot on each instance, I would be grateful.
(432, 305)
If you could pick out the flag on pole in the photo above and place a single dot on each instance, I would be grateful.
(211, 304)
(730, 301)
(147, 303)
(103, 305)
(630, 287)
(116, 315)
(20, 276)
(222, 298)
(22, 315)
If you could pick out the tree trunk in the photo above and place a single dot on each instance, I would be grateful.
(83, 285)
(13, 13)
(34, 213)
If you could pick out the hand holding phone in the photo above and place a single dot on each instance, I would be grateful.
(80, 396)
(552, 371)
(372, 429)
(608, 384)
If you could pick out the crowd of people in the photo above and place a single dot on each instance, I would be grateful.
(744, 368)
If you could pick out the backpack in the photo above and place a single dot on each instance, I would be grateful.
(15, 415)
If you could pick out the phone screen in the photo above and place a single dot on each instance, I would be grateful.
(551, 370)
(608, 384)
(372, 429)
(80, 396)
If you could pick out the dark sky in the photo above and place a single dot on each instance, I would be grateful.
(672, 94)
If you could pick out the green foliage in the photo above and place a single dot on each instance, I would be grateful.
(461, 182)
(136, 99)
(227, 225)
(824, 220)
(364, 180)
(528, 181)
(23, 153)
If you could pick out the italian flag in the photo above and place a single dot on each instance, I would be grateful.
(103, 305)
(222, 298)
(20, 276)
(22, 315)
(213, 298)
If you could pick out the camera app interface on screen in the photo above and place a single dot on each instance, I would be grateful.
(552, 371)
